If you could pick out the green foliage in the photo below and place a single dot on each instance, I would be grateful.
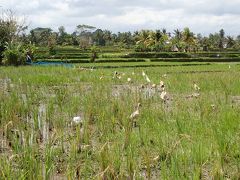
(94, 55)
(10, 29)
(31, 49)
(14, 54)
(52, 50)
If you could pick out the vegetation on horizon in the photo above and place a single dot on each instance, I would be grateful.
(13, 32)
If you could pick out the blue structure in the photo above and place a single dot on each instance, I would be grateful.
(46, 63)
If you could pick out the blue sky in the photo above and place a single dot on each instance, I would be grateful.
(202, 16)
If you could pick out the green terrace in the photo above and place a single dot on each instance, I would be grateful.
(76, 55)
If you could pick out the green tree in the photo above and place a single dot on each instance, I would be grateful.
(158, 35)
(84, 35)
(107, 36)
(213, 41)
(33, 37)
(52, 42)
(40, 35)
(125, 39)
(83, 28)
(176, 40)
(98, 37)
(61, 35)
(221, 39)
(11, 29)
(145, 40)
(230, 41)
(189, 40)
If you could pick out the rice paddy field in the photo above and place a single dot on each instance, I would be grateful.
(168, 121)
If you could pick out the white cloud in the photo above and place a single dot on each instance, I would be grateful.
(203, 16)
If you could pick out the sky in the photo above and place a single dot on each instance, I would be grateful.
(201, 16)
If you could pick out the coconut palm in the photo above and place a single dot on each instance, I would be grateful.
(107, 35)
(161, 40)
(145, 40)
(221, 39)
(177, 34)
(230, 42)
(189, 39)
(176, 40)
(158, 35)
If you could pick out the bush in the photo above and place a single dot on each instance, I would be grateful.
(94, 55)
(52, 50)
(14, 54)
(1, 53)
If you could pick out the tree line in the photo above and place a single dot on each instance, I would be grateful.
(15, 36)
(144, 40)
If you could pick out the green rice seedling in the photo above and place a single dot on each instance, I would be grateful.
(185, 137)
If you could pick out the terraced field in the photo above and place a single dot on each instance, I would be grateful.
(75, 55)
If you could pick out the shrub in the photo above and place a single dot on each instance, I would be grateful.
(52, 50)
(14, 54)
(1, 53)
(94, 55)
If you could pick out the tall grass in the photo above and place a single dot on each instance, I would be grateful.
(186, 138)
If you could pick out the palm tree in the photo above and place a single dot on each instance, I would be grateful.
(125, 38)
(177, 34)
(61, 35)
(221, 33)
(98, 37)
(107, 35)
(158, 35)
(230, 42)
(221, 39)
(164, 31)
(145, 39)
(33, 37)
(177, 39)
(189, 39)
